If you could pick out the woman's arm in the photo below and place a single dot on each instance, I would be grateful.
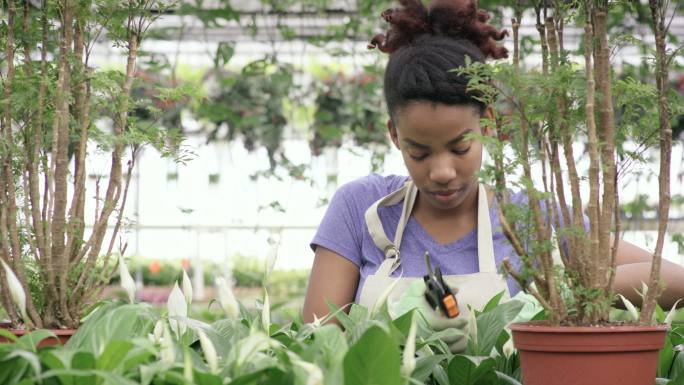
(634, 267)
(333, 279)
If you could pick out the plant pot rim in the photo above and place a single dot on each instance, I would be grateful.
(543, 327)
(57, 332)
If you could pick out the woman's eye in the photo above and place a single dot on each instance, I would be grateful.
(461, 150)
(418, 156)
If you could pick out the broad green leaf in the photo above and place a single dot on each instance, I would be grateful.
(113, 355)
(505, 379)
(440, 375)
(425, 366)
(463, 370)
(489, 325)
(31, 340)
(13, 370)
(30, 357)
(7, 334)
(373, 359)
(83, 361)
(665, 358)
(493, 303)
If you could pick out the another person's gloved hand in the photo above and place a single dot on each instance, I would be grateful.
(453, 330)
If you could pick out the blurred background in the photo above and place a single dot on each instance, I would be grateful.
(285, 104)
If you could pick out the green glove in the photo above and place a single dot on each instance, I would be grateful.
(453, 331)
(530, 308)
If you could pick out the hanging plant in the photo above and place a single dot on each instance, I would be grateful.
(250, 105)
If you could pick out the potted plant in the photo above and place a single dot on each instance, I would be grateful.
(56, 110)
(551, 108)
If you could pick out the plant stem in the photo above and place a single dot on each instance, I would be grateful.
(662, 73)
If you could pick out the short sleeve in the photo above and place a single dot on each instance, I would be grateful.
(340, 230)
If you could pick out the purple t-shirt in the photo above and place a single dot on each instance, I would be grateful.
(343, 230)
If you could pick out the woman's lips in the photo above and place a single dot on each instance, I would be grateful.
(446, 196)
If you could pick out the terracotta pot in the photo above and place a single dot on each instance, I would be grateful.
(610, 355)
(63, 336)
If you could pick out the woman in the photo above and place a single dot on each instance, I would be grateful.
(441, 208)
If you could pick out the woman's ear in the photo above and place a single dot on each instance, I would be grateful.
(488, 129)
(393, 133)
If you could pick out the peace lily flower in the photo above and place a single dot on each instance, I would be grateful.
(266, 313)
(209, 350)
(177, 307)
(409, 357)
(16, 290)
(630, 308)
(472, 326)
(508, 348)
(158, 331)
(187, 287)
(271, 257)
(127, 282)
(671, 314)
(227, 299)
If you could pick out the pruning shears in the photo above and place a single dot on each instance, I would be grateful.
(437, 293)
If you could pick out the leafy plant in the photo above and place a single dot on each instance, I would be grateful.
(551, 108)
(56, 109)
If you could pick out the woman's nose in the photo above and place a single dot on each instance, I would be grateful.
(442, 172)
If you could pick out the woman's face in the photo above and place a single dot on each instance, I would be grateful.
(441, 158)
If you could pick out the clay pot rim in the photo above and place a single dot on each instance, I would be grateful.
(57, 332)
(542, 327)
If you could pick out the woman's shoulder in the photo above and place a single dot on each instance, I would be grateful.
(372, 187)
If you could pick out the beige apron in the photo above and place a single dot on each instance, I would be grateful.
(473, 289)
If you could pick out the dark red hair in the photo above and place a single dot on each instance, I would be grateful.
(426, 44)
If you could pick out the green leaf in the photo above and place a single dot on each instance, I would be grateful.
(31, 340)
(489, 325)
(84, 361)
(463, 370)
(425, 366)
(9, 335)
(493, 303)
(113, 355)
(373, 359)
(665, 358)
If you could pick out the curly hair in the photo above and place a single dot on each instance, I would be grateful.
(424, 44)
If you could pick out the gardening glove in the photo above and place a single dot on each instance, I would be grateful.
(453, 331)
(530, 308)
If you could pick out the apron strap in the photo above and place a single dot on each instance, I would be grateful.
(390, 249)
(485, 244)
(408, 192)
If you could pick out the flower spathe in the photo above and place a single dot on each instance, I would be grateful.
(16, 290)
(177, 307)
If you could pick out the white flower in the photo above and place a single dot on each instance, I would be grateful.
(158, 331)
(671, 314)
(127, 282)
(187, 287)
(409, 357)
(630, 308)
(508, 348)
(271, 257)
(177, 307)
(209, 350)
(472, 326)
(266, 313)
(16, 290)
(227, 299)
